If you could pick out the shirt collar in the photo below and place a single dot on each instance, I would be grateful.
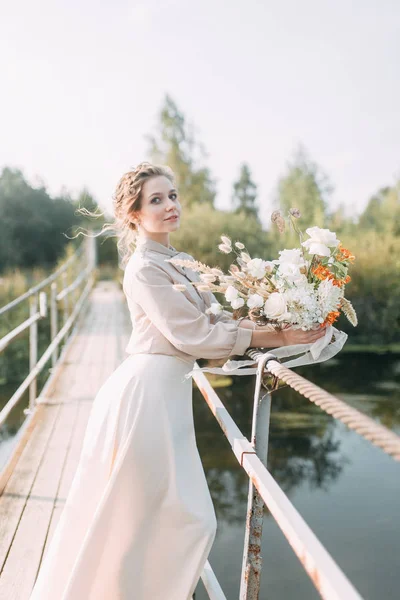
(149, 244)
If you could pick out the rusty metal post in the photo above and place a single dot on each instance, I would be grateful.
(252, 560)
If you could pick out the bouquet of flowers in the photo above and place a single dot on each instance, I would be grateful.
(303, 288)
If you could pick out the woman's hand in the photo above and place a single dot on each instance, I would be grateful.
(292, 336)
(263, 337)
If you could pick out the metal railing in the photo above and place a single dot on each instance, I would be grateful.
(74, 279)
(326, 575)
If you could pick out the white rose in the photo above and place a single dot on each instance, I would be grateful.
(231, 293)
(215, 309)
(290, 272)
(237, 303)
(293, 256)
(320, 241)
(275, 306)
(256, 267)
(255, 301)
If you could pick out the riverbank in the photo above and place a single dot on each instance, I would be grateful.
(371, 348)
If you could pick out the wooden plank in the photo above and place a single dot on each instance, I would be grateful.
(72, 459)
(69, 470)
(24, 434)
(20, 569)
(13, 500)
(98, 351)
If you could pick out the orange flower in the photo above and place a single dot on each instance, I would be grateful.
(331, 317)
(322, 273)
(341, 282)
(344, 254)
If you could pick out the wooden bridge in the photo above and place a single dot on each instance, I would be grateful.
(35, 481)
(35, 492)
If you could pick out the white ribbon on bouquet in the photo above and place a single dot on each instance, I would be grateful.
(307, 354)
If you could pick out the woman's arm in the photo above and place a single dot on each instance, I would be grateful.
(264, 338)
(180, 321)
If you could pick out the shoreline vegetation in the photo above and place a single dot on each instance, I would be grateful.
(371, 348)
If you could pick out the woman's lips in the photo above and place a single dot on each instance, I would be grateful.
(172, 218)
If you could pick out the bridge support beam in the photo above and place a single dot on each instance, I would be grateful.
(252, 560)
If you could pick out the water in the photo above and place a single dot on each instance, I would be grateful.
(346, 489)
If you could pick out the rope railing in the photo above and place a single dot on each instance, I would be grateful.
(355, 420)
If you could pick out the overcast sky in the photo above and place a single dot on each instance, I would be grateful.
(83, 83)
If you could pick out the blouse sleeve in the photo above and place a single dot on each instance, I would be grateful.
(181, 322)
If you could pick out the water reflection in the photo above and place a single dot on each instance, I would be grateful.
(302, 446)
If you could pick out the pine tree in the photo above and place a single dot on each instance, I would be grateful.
(175, 145)
(245, 193)
(306, 187)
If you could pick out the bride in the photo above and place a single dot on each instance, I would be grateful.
(139, 523)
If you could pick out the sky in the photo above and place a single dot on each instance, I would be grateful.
(83, 82)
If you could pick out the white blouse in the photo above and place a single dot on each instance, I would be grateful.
(167, 321)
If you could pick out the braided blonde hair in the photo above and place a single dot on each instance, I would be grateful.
(127, 201)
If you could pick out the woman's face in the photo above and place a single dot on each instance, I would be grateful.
(159, 203)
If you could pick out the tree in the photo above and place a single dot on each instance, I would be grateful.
(202, 226)
(32, 224)
(175, 145)
(306, 187)
(382, 213)
(245, 193)
(338, 222)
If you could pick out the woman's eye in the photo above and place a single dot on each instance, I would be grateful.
(174, 196)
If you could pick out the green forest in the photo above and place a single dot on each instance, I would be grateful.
(35, 227)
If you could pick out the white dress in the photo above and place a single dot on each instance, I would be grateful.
(138, 523)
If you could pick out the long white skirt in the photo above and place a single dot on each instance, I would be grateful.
(138, 522)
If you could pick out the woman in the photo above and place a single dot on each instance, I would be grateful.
(138, 523)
